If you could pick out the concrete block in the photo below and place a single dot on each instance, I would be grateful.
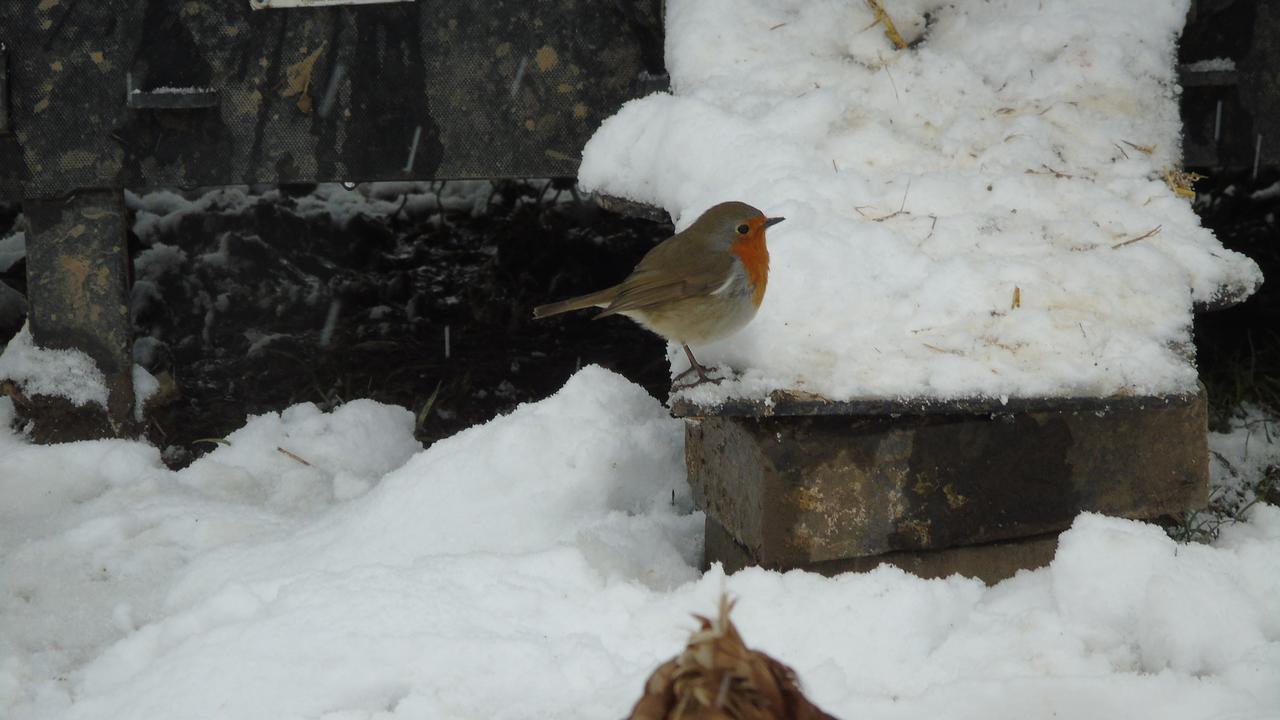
(799, 488)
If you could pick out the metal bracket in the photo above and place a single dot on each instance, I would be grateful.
(270, 4)
(4, 90)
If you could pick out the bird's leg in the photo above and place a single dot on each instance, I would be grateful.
(694, 367)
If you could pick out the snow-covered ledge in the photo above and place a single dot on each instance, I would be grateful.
(982, 215)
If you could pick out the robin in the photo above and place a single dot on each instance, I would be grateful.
(698, 285)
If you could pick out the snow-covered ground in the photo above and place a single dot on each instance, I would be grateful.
(982, 214)
(318, 565)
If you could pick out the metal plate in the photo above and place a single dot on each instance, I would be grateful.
(488, 89)
(4, 89)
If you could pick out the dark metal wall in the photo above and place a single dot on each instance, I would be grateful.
(425, 89)
(1231, 118)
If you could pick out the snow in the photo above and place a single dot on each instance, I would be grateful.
(1267, 193)
(67, 374)
(1017, 147)
(318, 565)
(144, 386)
(159, 260)
(1240, 457)
(162, 210)
(322, 565)
(1218, 64)
(167, 90)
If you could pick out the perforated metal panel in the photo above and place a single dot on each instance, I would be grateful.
(124, 93)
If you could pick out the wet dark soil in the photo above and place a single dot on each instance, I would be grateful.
(268, 309)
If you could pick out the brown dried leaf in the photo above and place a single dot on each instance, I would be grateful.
(298, 79)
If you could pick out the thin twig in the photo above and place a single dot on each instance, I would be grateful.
(932, 225)
(937, 349)
(1050, 171)
(901, 208)
(892, 84)
(295, 457)
(1150, 233)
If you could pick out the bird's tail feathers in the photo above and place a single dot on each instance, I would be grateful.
(595, 299)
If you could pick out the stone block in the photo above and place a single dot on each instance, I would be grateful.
(792, 486)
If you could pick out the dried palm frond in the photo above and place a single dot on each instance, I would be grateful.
(718, 677)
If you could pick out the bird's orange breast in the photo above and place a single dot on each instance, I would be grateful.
(754, 255)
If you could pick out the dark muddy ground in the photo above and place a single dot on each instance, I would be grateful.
(395, 287)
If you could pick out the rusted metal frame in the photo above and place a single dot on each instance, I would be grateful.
(78, 287)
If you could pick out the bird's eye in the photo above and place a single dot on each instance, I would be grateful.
(743, 229)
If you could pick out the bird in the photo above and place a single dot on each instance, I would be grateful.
(717, 677)
(704, 283)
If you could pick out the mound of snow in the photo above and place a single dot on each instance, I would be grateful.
(541, 565)
(1017, 152)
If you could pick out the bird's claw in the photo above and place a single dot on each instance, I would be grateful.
(702, 379)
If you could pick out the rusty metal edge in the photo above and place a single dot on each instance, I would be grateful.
(630, 208)
(785, 403)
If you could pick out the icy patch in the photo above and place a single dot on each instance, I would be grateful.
(1017, 152)
(67, 374)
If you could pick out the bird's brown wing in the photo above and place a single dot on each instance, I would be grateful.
(672, 271)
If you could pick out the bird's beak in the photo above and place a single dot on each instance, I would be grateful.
(770, 222)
